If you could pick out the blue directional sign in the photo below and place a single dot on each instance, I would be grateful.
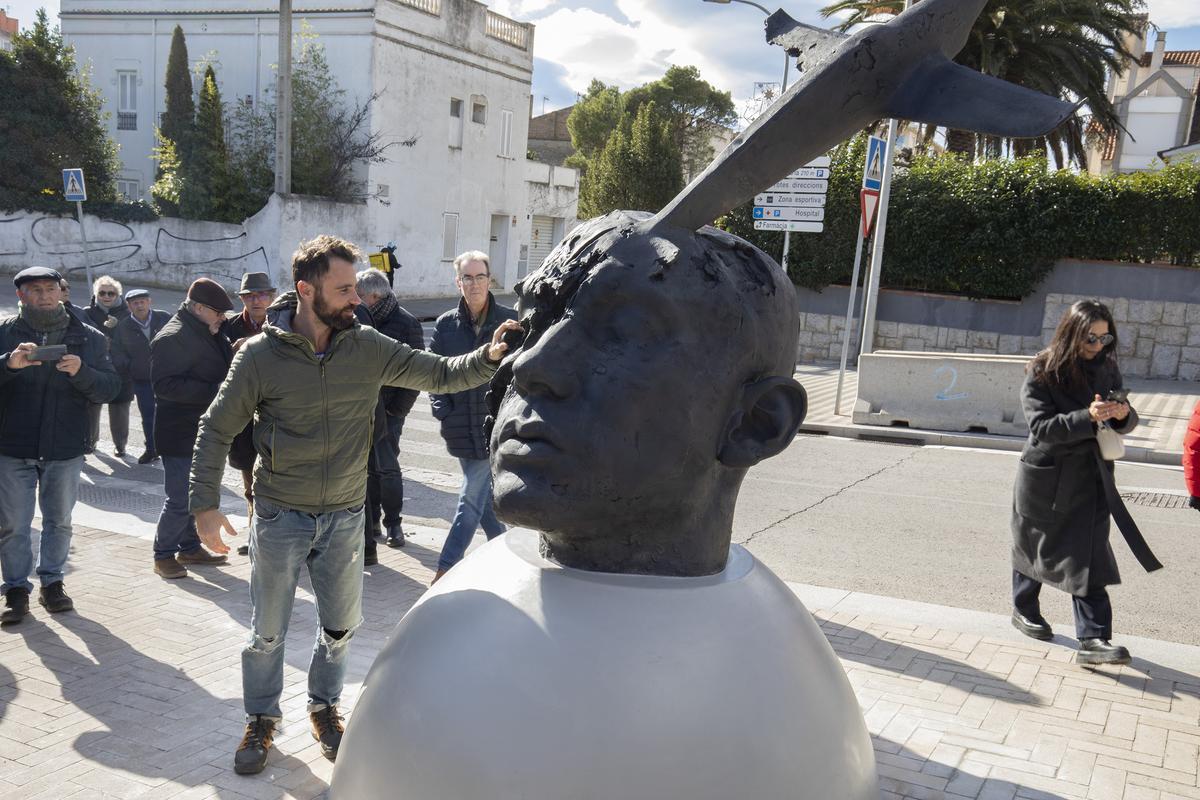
(74, 188)
(873, 172)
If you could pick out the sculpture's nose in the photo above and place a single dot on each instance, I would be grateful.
(547, 368)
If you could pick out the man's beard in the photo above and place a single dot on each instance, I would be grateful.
(335, 318)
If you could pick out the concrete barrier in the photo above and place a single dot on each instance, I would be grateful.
(942, 391)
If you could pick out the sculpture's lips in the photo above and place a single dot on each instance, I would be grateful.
(526, 437)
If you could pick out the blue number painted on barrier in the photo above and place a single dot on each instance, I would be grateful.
(945, 394)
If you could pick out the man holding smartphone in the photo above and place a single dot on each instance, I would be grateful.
(54, 367)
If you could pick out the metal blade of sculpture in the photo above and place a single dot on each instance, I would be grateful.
(622, 647)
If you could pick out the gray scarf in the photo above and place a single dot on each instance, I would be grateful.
(51, 321)
(384, 307)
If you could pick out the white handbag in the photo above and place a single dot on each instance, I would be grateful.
(1112, 444)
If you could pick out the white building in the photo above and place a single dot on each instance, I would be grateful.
(8, 29)
(454, 80)
(1158, 102)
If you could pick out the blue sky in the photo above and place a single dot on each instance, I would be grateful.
(630, 42)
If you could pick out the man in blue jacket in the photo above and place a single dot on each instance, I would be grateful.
(131, 357)
(44, 431)
(459, 331)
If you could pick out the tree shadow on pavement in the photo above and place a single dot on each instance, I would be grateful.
(160, 722)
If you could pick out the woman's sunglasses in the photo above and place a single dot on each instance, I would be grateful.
(1105, 339)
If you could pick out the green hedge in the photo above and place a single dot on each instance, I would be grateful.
(994, 229)
(53, 204)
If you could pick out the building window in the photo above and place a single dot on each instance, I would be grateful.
(449, 236)
(456, 122)
(126, 100)
(129, 189)
(478, 110)
(506, 120)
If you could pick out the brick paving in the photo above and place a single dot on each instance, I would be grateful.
(137, 694)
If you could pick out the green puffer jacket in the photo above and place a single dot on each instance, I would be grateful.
(313, 416)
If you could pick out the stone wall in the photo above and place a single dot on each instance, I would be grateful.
(1156, 339)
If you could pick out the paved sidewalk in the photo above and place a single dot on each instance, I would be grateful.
(137, 693)
(1163, 406)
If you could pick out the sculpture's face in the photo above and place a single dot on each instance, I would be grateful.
(616, 411)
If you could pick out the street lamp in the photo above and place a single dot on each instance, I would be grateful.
(787, 235)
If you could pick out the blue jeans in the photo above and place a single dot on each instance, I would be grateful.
(474, 509)
(281, 542)
(54, 485)
(176, 531)
(144, 392)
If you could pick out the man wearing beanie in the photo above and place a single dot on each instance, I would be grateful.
(311, 382)
(188, 361)
(44, 434)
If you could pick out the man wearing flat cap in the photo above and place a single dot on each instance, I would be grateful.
(131, 357)
(44, 399)
(188, 362)
(257, 292)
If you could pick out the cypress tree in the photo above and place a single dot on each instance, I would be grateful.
(206, 171)
(179, 119)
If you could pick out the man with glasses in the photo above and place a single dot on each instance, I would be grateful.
(188, 362)
(106, 310)
(131, 357)
(257, 292)
(459, 331)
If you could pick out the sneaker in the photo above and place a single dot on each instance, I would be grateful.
(1100, 651)
(371, 556)
(54, 598)
(201, 556)
(16, 603)
(251, 755)
(148, 457)
(169, 568)
(327, 729)
(395, 536)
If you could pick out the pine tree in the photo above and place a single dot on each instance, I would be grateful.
(179, 119)
(639, 168)
(51, 120)
(205, 186)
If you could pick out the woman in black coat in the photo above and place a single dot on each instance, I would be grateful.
(1061, 502)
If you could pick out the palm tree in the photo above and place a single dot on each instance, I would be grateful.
(1064, 48)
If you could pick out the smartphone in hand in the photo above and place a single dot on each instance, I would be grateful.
(48, 352)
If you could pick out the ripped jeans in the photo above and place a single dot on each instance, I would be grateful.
(281, 542)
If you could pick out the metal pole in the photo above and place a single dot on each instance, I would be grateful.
(787, 235)
(837, 398)
(283, 107)
(87, 252)
(885, 190)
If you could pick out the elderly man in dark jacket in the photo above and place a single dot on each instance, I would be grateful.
(44, 433)
(131, 357)
(106, 310)
(462, 414)
(189, 360)
(385, 481)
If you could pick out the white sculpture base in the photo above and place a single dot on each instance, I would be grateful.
(515, 677)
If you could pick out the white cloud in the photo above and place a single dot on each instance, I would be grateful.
(1168, 14)
(519, 9)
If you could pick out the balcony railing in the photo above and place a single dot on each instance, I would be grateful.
(433, 7)
(507, 30)
(127, 120)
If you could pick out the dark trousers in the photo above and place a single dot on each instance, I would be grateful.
(176, 532)
(1093, 611)
(118, 423)
(143, 391)
(385, 481)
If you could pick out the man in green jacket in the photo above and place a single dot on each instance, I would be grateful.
(310, 383)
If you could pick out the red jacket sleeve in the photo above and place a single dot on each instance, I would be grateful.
(1191, 454)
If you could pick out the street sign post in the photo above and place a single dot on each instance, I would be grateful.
(788, 226)
(877, 150)
(75, 191)
(788, 199)
(801, 186)
(795, 204)
(790, 213)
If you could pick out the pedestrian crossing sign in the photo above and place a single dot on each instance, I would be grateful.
(73, 186)
(873, 172)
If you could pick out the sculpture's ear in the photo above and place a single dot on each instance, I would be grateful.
(764, 422)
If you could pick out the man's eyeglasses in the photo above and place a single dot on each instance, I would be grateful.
(469, 279)
(1104, 339)
(259, 295)
(107, 293)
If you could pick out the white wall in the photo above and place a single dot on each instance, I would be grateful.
(1153, 124)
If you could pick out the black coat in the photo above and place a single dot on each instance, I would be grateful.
(462, 414)
(131, 348)
(403, 327)
(241, 451)
(43, 412)
(98, 317)
(1060, 519)
(187, 365)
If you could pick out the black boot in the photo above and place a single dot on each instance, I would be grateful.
(54, 598)
(1033, 627)
(16, 601)
(1100, 651)
(395, 536)
(371, 556)
(251, 755)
